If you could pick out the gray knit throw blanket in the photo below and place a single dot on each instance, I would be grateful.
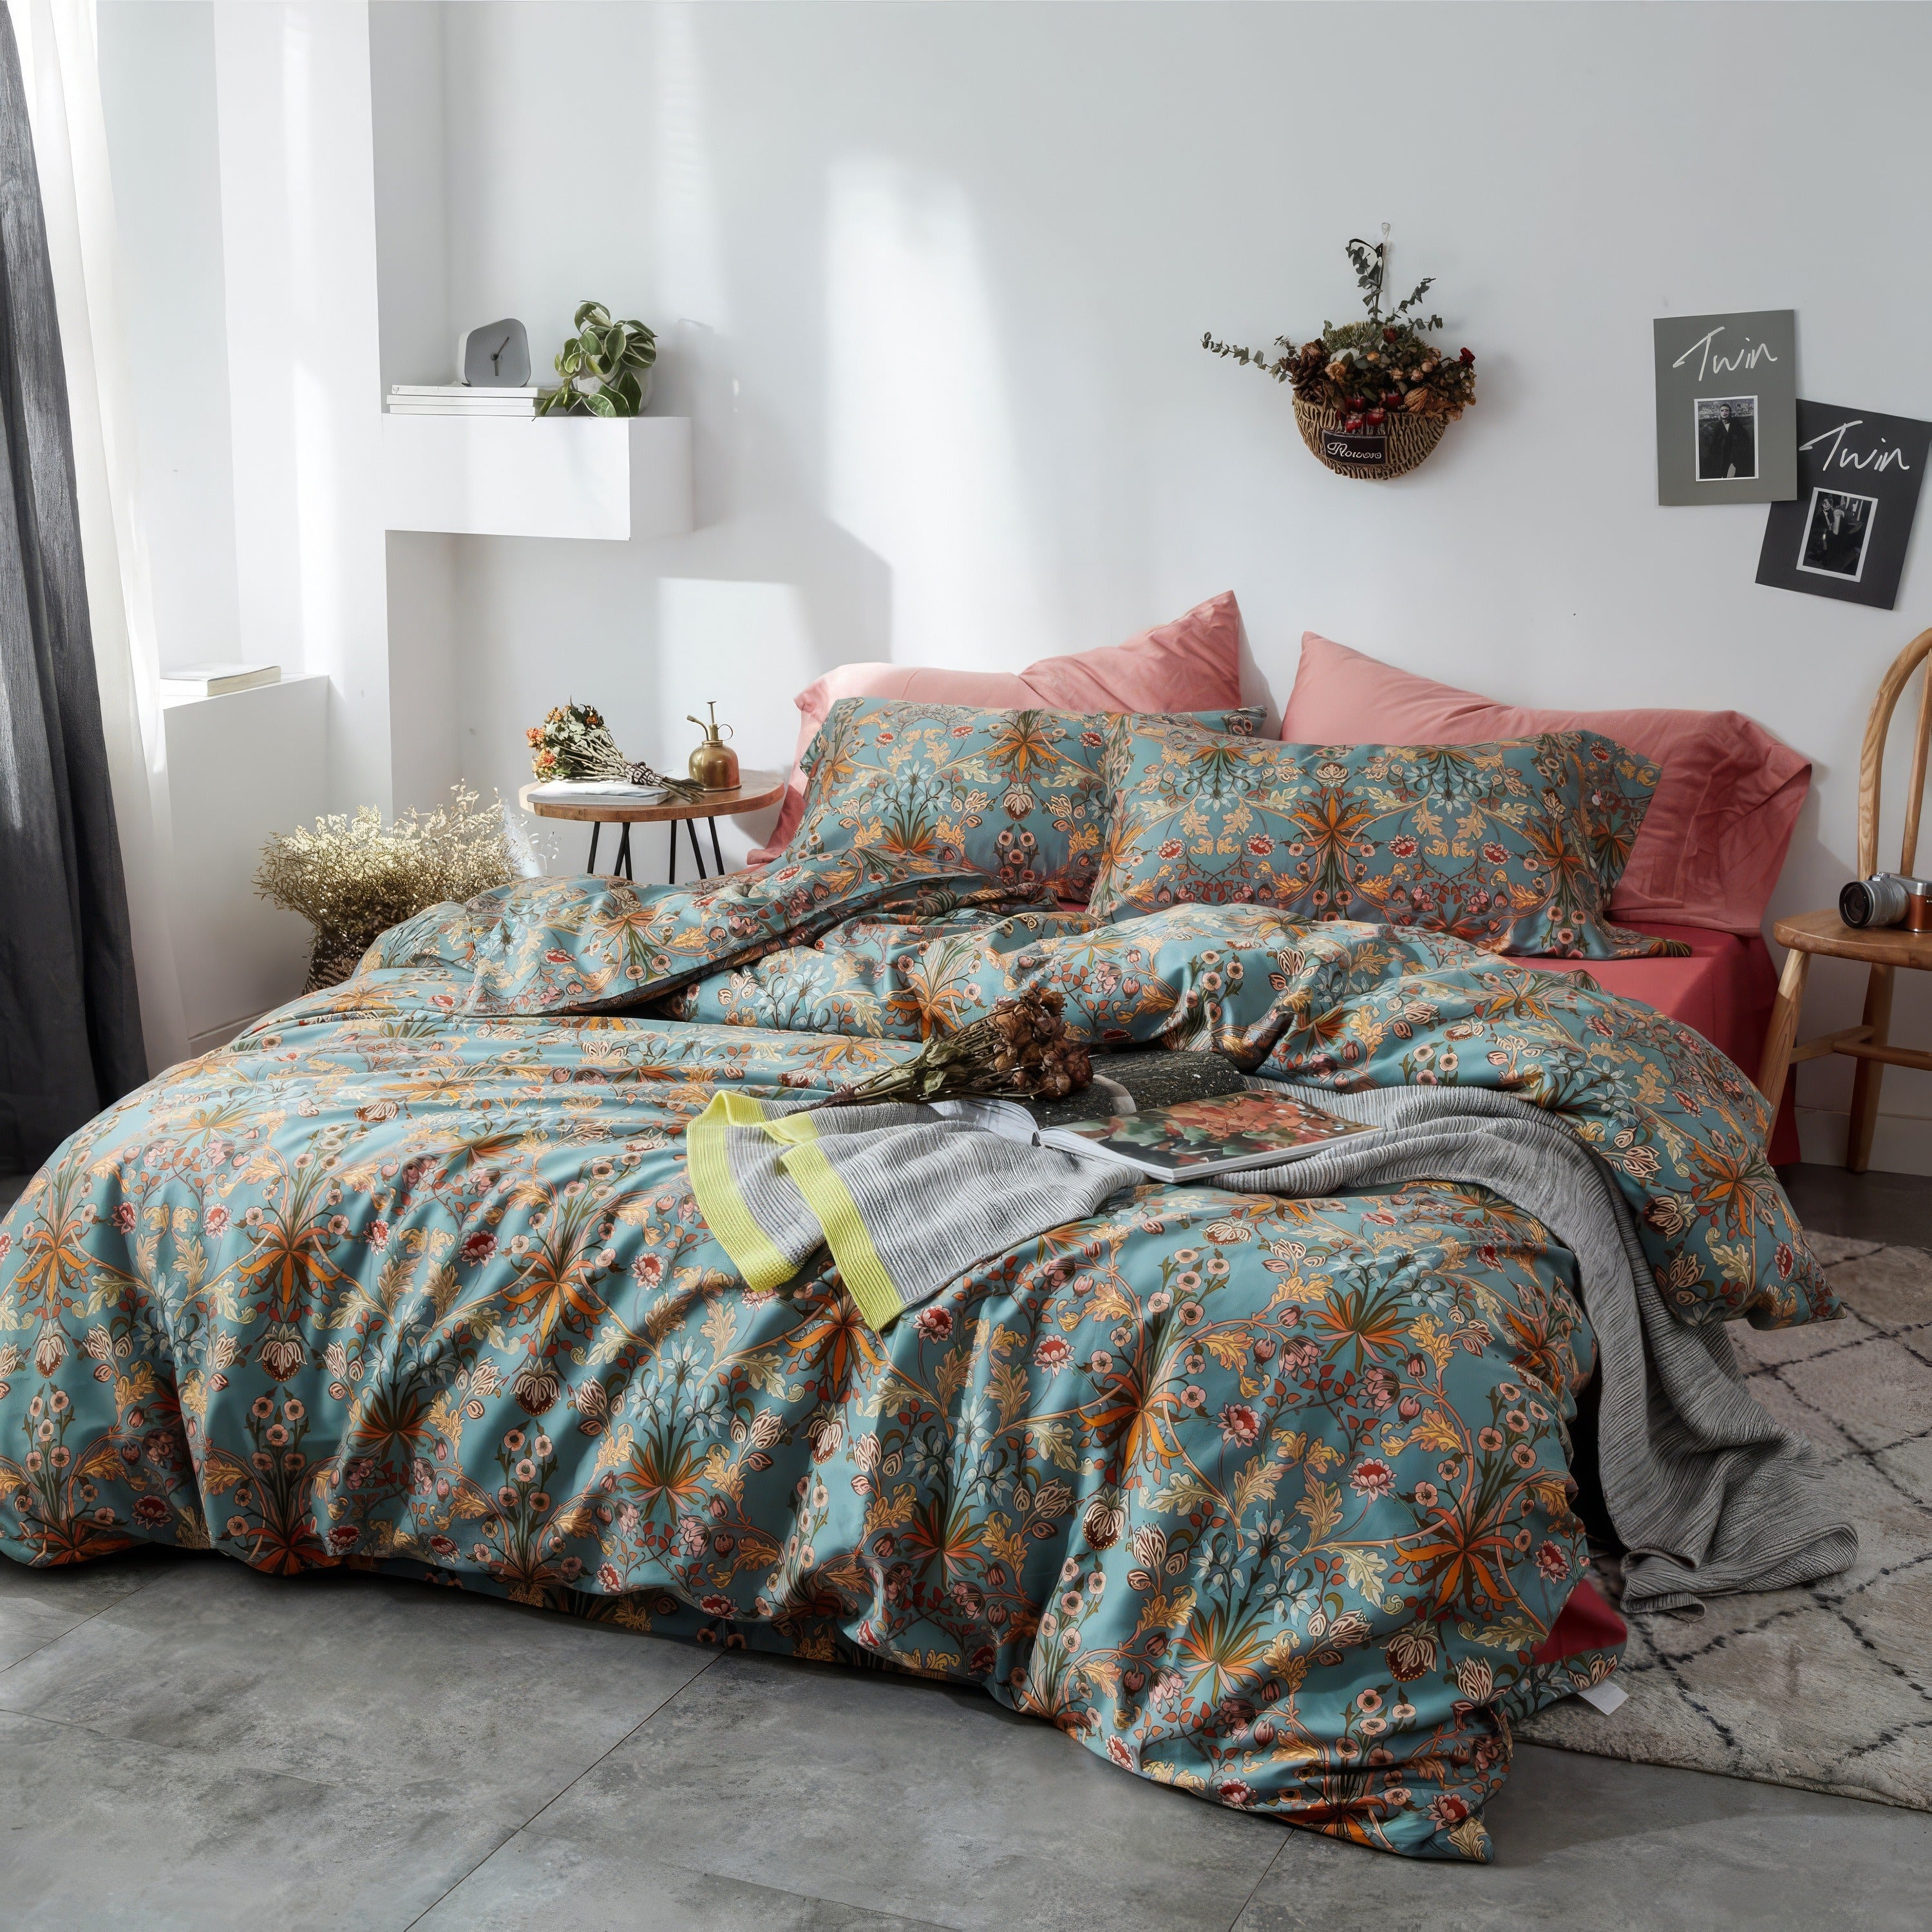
(1707, 1492)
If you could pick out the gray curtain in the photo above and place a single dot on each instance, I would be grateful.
(69, 1016)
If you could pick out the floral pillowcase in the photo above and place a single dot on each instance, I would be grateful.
(1014, 794)
(1513, 846)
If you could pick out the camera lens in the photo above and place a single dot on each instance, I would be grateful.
(1879, 901)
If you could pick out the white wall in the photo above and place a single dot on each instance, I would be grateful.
(241, 147)
(158, 96)
(418, 344)
(298, 234)
(931, 281)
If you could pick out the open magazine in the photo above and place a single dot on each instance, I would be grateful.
(1190, 1140)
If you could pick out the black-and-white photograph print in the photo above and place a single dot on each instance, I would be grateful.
(1726, 439)
(1836, 534)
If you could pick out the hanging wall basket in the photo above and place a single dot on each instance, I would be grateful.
(1375, 455)
(1372, 398)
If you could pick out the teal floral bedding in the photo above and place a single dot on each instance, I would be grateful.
(1268, 1500)
(1514, 846)
(1016, 795)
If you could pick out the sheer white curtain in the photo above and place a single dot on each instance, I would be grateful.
(60, 65)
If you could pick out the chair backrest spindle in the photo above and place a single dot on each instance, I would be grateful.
(1871, 759)
(1916, 790)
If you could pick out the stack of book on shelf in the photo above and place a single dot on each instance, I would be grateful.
(459, 399)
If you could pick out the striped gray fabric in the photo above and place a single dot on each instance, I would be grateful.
(938, 1195)
(1709, 1494)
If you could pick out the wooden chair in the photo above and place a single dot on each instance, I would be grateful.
(1883, 949)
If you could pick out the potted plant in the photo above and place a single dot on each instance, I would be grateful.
(604, 370)
(1372, 398)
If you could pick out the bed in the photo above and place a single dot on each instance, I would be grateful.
(1269, 1500)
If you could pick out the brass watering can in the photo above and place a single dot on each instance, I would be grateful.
(714, 764)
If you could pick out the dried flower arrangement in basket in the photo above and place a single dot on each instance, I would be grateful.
(1372, 398)
(353, 878)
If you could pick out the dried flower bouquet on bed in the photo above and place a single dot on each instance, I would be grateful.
(354, 878)
(1381, 377)
(1022, 1046)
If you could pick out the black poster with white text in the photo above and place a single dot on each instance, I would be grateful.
(1857, 489)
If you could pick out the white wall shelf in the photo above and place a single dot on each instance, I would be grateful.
(568, 476)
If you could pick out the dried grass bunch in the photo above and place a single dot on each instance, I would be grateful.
(1022, 1046)
(353, 878)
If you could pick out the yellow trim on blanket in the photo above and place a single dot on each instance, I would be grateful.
(845, 1233)
(725, 1213)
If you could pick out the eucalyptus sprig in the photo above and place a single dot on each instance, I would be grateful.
(600, 368)
(1371, 264)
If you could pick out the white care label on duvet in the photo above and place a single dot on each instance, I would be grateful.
(1606, 1696)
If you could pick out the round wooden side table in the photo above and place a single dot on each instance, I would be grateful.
(755, 791)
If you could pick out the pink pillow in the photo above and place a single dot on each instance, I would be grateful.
(1191, 664)
(1720, 822)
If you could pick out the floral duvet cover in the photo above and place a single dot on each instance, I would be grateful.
(1266, 1499)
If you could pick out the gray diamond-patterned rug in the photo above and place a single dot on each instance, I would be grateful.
(1829, 1687)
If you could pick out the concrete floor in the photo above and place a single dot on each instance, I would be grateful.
(185, 1744)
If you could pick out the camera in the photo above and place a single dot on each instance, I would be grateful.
(1887, 898)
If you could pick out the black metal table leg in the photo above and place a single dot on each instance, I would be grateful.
(596, 828)
(622, 868)
(717, 850)
(673, 851)
(697, 852)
